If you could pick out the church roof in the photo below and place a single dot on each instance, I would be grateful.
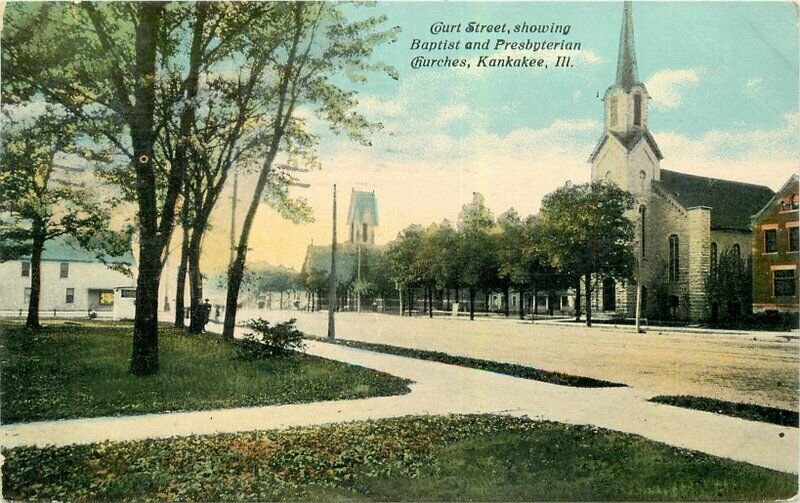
(629, 141)
(319, 258)
(361, 204)
(627, 70)
(732, 203)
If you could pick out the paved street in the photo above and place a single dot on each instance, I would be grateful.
(446, 389)
(759, 367)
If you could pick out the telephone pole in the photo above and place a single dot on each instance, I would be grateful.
(332, 277)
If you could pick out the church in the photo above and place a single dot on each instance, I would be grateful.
(682, 221)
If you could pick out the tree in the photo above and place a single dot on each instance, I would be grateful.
(587, 234)
(100, 63)
(38, 206)
(316, 43)
(402, 257)
(729, 286)
(476, 248)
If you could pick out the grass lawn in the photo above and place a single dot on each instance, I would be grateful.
(455, 458)
(749, 411)
(511, 369)
(80, 369)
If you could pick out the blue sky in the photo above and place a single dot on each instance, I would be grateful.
(723, 78)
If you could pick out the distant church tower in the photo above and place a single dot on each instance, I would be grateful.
(627, 153)
(362, 217)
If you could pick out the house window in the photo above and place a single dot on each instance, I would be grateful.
(713, 257)
(795, 201)
(643, 215)
(771, 241)
(364, 232)
(64, 269)
(26, 269)
(674, 259)
(637, 109)
(783, 283)
(737, 251)
(612, 111)
(27, 296)
(70, 296)
(794, 239)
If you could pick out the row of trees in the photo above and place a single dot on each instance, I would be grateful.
(581, 234)
(167, 99)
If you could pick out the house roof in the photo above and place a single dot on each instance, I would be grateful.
(790, 184)
(363, 204)
(732, 203)
(64, 249)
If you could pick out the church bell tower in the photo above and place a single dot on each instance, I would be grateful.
(627, 154)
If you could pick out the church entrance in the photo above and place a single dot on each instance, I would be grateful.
(609, 294)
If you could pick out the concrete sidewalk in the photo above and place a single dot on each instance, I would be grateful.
(448, 389)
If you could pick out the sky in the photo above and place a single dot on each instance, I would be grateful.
(723, 80)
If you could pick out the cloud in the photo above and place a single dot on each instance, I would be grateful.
(753, 86)
(450, 113)
(667, 86)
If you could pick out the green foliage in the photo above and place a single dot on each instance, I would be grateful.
(748, 411)
(586, 230)
(270, 341)
(431, 458)
(729, 286)
(70, 370)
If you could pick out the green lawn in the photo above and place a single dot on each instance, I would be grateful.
(511, 369)
(80, 369)
(748, 411)
(457, 458)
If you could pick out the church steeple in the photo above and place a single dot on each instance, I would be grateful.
(627, 71)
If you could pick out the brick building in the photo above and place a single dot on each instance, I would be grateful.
(682, 220)
(776, 252)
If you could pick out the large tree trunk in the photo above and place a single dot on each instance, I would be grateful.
(180, 289)
(195, 284)
(36, 276)
(587, 284)
(521, 304)
(578, 300)
(506, 299)
(471, 303)
(144, 358)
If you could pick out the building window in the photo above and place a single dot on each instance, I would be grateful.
(364, 232)
(637, 109)
(70, 296)
(737, 251)
(26, 269)
(783, 283)
(612, 111)
(643, 217)
(794, 239)
(27, 296)
(713, 257)
(674, 258)
(770, 241)
(352, 231)
(609, 294)
(64, 269)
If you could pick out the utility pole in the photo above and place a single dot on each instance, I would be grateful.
(233, 216)
(332, 277)
(358, 282)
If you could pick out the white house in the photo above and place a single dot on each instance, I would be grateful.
(73, 282)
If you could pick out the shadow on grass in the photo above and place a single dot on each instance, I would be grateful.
(748, 411)
(510, 369)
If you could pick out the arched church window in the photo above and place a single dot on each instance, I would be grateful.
(364, 232)
(713, 258)
(737, 251)
(612, 111)
(674, 258)
(637, 109)
(642, 223)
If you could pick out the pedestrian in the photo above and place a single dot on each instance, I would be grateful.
(205, 314)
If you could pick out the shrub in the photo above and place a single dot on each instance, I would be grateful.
(268, 341)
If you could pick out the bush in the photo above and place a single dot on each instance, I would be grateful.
(269, 341)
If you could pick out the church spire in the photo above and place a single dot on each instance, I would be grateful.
(627, 72)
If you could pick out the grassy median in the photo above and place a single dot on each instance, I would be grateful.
(80, 369)
(454, 458)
